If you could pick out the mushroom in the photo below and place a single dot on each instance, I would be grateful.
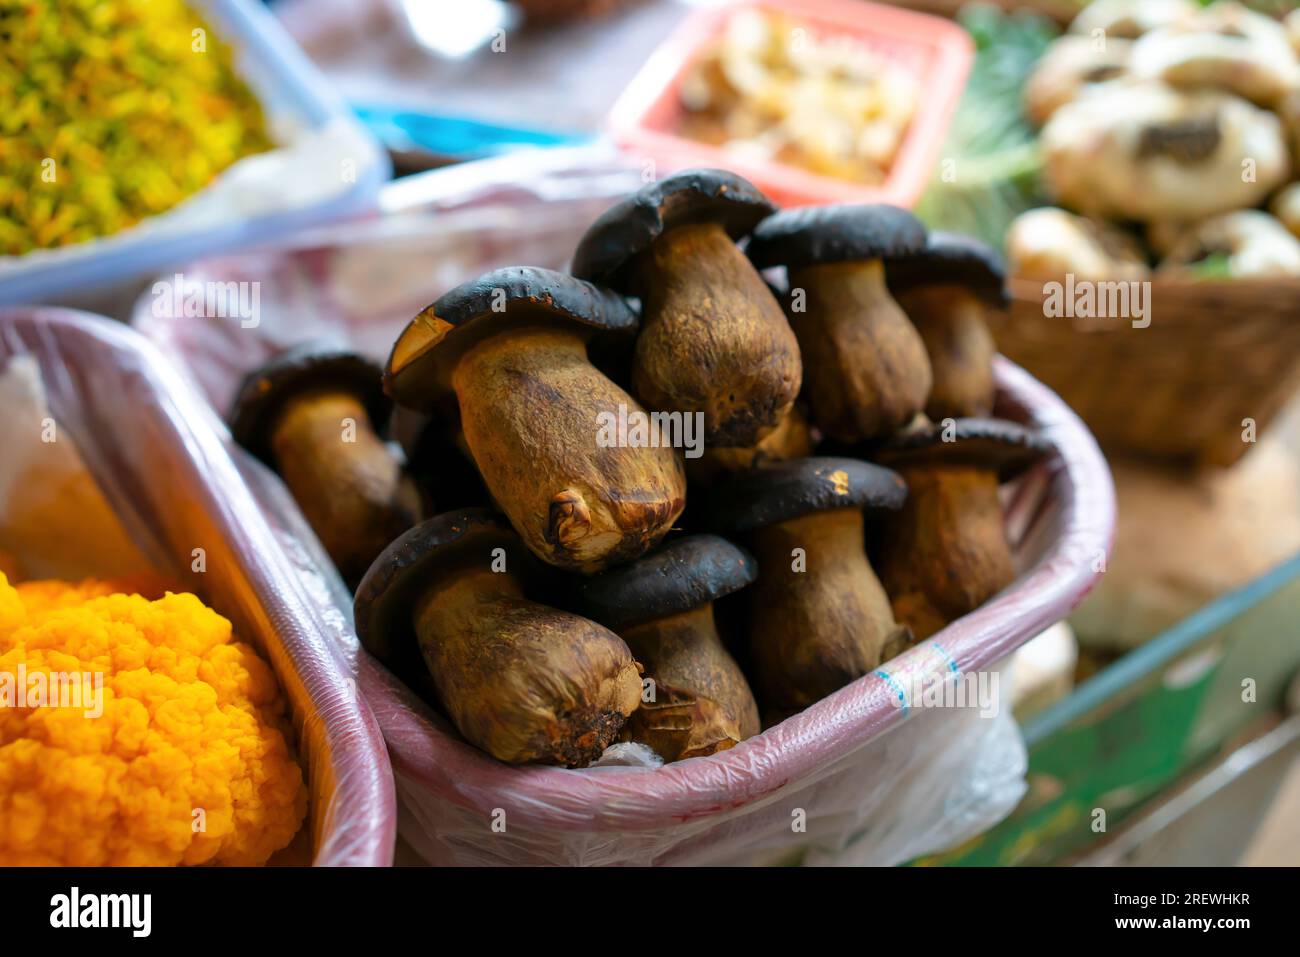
(314, 414)
(662, 606)
(791, 439)
(713, 339)
(1070, 67)
(1247, 244)
(1048, 243)
(820, 618)
(1129, 19)
(510, 347)
(1286, 207)
(946, 552)
(1225, 46)
(1292, 25)
(944, 289)
(524, 681)
(866, 367)
(1145, 151)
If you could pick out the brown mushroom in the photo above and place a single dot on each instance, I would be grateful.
(511, 348)
(866, 371)
(944, 289)
(792, 438)
(314, 414)
(662, 606)
(713, 340)
(521, 680)
(946, 552)
(820, 618)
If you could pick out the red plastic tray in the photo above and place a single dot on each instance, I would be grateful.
(936, 51)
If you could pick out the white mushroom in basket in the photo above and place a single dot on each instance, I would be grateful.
(1225, 46)
(1049, 243)
(1292, 24)
(1286, 207)
(1071, 65)
(1247, 244)
(1147, 152)
(1130, 18)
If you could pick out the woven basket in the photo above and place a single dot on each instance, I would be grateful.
(1217, 358)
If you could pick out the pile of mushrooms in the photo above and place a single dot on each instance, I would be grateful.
(579, 591)
(1171, 142)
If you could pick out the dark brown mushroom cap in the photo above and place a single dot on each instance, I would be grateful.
(419, 367)
(691, 196)
(303, 369)
(785, 490)
(685, 573)
(831, 234)
(952, 258)
(997, 444)
(385, 600)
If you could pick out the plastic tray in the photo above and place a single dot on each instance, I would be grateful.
(870, 796)
(290, 88)
(156, 454)
(936, 51)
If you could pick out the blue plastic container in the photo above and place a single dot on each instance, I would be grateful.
(287, 85)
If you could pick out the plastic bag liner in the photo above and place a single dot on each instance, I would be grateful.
(856, 778)
(158, 455)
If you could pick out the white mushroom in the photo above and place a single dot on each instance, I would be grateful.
(1147, 152)
(1286, 207)
(1225, 46)
(1248, 244)
(1292, 24)
(1129, 18)
(1069, 66)
(1049, 243)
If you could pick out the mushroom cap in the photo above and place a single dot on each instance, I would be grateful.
(691, 196)
(785, 490)
(385, 600)
(952, 258)
(829, 234)
(1005, 447)
(685, 573)
(419, 367)
(264, 392)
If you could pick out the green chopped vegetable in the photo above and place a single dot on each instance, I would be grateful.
(990, 166)
(110, 113)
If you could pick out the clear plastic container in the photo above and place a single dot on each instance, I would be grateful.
(877, 783)
(160, 458)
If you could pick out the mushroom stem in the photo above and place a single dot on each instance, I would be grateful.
(713, 337)
(821, 618)
(950, 320)
(702, 702)
(868, 370)
(523, 681)
(791, 439)
(946, 552)
(350, 487)
(531, 409)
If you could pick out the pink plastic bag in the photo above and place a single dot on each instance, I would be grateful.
(162, 461)
(828, 785)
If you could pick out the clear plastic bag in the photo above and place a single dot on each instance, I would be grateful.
(159, 458)
(829, 785)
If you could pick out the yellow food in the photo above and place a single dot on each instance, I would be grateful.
(188, 763)
(111, 113)
(773, 89)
